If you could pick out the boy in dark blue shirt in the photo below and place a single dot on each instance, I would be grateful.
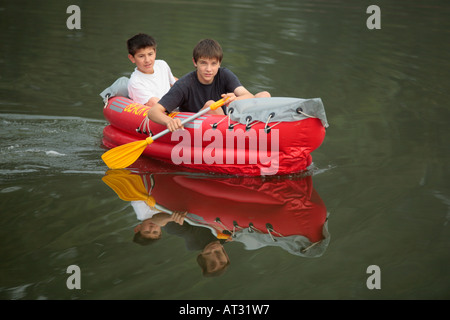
(198, 89)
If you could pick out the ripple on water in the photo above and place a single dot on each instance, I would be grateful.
(36, 143)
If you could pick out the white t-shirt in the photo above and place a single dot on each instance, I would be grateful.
(142, 210)
(142, 86)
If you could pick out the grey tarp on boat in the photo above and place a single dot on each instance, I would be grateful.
(277, 109)
(273, 109)
(295, 244)
(118, 88)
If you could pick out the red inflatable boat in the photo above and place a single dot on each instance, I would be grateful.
(276, 139)
(257, 211)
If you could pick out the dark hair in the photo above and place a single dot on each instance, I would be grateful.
(207, 48)
(139, 239)
(140, 41)
(202, 263)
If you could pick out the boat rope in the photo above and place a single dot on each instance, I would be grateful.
(251, 228)
(217, 220)
(231, 126)
(252, 124)
(266, 127)
(106, 100)
(149, 131)
(248, 119)
(309, 247)
(270, 230)
(139, 128)
(300, 110)
(236, 226)
(214, 125)
(249, 123)
(268, 119)
(144, 127)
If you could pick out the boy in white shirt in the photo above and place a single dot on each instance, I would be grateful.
(152, 78)
(151, 221)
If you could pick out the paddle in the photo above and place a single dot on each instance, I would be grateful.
(129, 187)
(123, 156)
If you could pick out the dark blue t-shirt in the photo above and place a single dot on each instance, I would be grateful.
(190, 95)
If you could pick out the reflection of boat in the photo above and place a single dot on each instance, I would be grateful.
(263, 136)
(255, 211)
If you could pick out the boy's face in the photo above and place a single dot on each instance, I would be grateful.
(207, 69)
(148, 229)
(215, 256)
(144, 59)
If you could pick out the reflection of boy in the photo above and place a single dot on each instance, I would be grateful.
(152, 220)
(152, 78)
(147, 231)
(213, 259)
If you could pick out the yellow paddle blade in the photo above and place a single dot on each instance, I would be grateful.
(129, 187)
(122, 156)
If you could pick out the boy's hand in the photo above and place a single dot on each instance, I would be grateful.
(178, 217)
(174, 124)
(157, 114)
(231, 97)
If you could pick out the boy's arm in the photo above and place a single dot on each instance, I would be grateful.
(152, 101)
(158, 114)
(162, 218)
(242, 93)
(239, 93)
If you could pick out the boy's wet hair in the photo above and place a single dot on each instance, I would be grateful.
(202, 263)
(140, 41)
(208, 48)
(139, 239)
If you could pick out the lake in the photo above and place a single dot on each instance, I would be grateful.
(376, 201)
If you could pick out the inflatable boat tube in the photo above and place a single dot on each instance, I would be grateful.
(244, 146)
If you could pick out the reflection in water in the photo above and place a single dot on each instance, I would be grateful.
(387, 92)
(257, 212)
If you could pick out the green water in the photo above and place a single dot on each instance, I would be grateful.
(381, 172)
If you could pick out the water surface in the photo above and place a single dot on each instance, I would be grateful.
(382, 171)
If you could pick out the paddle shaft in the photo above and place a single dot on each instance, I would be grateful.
(198, 114)
(124, 155)
(164, 209)
(189, 220)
